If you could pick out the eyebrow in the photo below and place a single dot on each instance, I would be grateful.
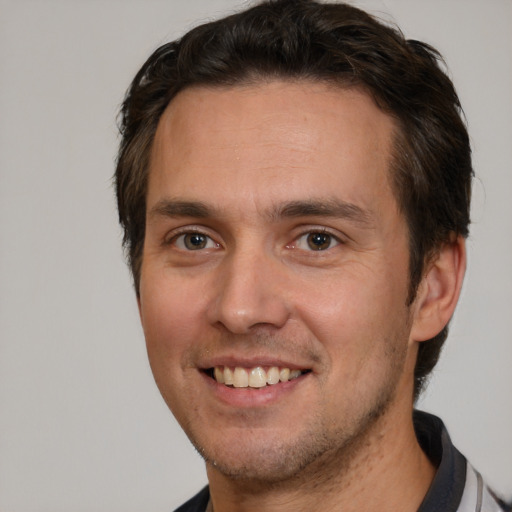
(176, 208)
(334, 208)
(324, 208)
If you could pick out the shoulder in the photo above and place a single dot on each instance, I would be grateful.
(478, 497)
(457, 486)
(197, 503)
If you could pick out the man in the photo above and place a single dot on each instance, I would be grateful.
(294, 185)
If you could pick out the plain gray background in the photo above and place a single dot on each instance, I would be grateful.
(82, 426)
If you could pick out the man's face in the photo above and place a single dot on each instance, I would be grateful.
(274, 244)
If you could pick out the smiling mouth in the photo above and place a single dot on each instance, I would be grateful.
(257, 377)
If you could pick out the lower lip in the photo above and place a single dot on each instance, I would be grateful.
(254, 397)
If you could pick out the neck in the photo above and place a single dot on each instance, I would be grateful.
(384, 470)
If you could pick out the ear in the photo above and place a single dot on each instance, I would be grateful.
(439, 290)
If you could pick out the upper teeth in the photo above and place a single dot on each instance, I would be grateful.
(256, 377)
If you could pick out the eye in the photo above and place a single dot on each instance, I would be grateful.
(316, 241)
(194, 242)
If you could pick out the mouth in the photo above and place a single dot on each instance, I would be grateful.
(256, 377)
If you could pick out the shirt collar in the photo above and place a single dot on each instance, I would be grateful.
(446, 490)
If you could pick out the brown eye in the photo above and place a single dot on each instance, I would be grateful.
(319, 241)
(194, 242)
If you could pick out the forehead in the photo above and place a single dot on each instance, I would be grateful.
(256, 143)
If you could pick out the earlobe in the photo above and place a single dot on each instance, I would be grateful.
(439, 290)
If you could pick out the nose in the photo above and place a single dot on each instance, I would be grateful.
(250, 291)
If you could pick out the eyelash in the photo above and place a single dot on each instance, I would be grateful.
(171, 240)
(317, 231)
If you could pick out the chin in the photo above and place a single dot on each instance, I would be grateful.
(273, 464)
(267, 459)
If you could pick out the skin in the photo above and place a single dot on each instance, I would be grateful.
(256, 170)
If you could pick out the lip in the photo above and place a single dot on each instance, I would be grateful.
(247, 398)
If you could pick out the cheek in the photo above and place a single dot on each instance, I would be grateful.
(170, 319)
(342, 303)
(172, 330)
(355, 316)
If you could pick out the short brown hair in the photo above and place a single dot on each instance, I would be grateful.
(336, 43)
